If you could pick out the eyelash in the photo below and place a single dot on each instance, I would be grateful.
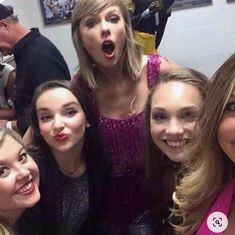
(90, 23)
(230, 106)
(158, 116)
(5, 171)
(23, 158)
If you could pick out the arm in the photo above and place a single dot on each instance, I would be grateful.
(8, 113)
(167, 64)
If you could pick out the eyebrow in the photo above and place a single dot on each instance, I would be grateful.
(64, 106)
(2, 162)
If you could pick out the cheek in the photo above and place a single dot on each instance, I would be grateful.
(155, 131)
(44, 130)
(191, 128)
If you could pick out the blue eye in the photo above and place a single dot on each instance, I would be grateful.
(230, 106)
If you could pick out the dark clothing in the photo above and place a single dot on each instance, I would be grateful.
(148, 224)
(37, 61)
(148, 25)
(46, 218)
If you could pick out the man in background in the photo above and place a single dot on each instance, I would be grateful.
(37, 61)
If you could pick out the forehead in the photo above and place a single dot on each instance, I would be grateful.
(104, 11)
(9, 147)
(56, 94)
(175, 91)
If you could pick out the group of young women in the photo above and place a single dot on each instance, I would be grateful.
(92, 137)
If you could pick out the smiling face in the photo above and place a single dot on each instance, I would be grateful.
(19, 178)
(226, 129)
(61, 120)
(174, 111)
(103, 36)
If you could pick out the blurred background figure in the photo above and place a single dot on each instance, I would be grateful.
(7, 93)
(149, 19)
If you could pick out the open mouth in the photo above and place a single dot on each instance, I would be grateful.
(108, 48)
(27, 188)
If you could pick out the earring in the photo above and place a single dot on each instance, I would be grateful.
(88, 125)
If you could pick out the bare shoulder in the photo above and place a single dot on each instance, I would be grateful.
(167, 64)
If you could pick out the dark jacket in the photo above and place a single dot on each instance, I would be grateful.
(43, 218)
(37, 61)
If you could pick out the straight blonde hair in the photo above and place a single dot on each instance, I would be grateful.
(132, 52)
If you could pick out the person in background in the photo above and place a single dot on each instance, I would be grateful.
(7, 91)
(19, 180)
(208, 181)
(172, 110)
(117, 77)
(149, 19)
(37, 60)
(74, 170)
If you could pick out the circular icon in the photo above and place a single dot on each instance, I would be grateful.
(217, 222)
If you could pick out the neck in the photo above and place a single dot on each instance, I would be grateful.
(11, 216)
(70, 162)
(110, 75)
(19, 31)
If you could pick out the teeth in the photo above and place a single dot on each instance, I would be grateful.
(25, 188)
(176, 143)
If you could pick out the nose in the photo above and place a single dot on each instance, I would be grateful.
(58, 122)
(105, 31)
(22, 172)
(174, 127)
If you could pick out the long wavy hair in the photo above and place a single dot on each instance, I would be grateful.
(208, 167)
(132, 52)
(157, 164)
(5, 229)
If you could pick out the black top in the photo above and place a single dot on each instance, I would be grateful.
(148, 25)
(37, 61)
(47, 217)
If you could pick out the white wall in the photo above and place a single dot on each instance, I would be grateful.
(201, 38)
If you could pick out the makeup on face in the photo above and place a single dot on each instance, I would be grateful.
(174, 111)
(61, 119)
(103, 35)
(19, 177)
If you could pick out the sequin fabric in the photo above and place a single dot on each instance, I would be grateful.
(125, 139)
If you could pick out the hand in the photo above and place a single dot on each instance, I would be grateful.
(156, 6)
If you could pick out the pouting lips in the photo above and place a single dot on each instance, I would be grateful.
(108, 47)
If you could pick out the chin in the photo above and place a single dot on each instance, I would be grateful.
(177, 157)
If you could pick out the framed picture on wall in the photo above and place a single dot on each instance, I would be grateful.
(57, 11)
(184, 4)
(230, 1)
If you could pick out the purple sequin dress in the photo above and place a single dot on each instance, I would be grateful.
(125, 139)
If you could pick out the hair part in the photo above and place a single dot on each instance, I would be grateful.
(132, 52)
